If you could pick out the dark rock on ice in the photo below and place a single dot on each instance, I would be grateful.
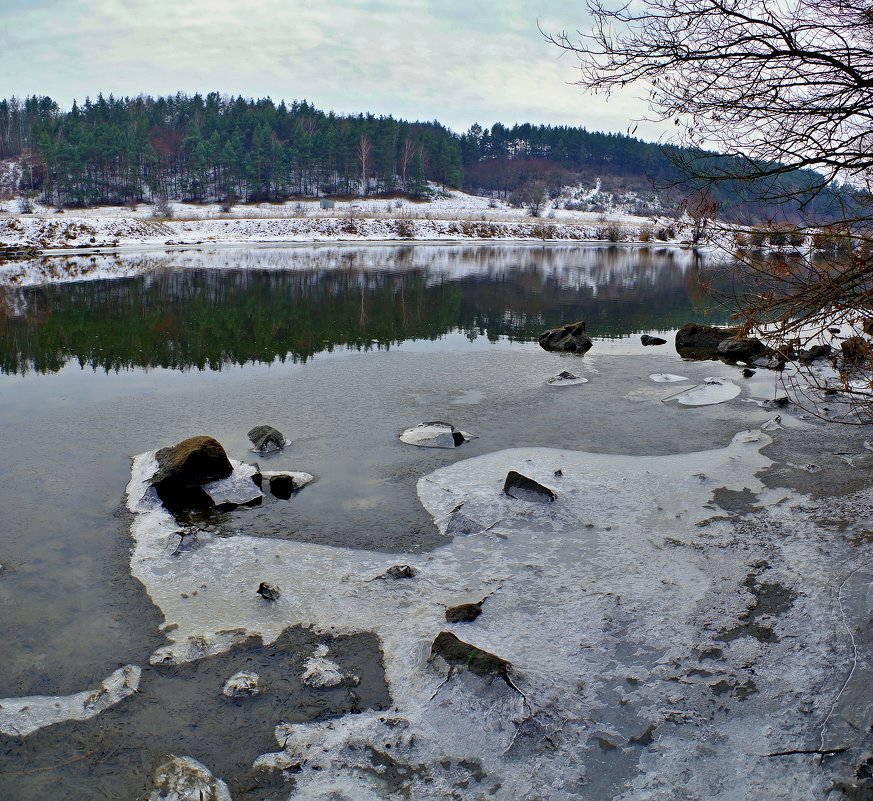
(808, 355)
(269, 592)
(523, 488)
(646, 339)
(696, 341)
(266, 438)
(399, 572)
(748, 372)
(744, 348)
(569, 338)
(184, 468)
(460, 654)
(464, 613)
(282, 486)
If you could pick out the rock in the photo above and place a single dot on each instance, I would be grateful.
(267, 439)
(243, 685)
(667, 378)
(566, 378)
(523, 488)
(855, 349)
(269, 592)
(461, 655)
(399, 572)
(464, 613)
(695, 341)
(186, 779)
(569, 338)
(184, 468)
(282, 486)
(808, 355)
(748, 372)
(736, 349)
(650, 340)
(435, 435)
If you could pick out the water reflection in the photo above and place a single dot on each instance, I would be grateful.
(177, 310)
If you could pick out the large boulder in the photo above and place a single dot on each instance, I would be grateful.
(695, 341)
(183, 469)
(740, 349)
(569, 338)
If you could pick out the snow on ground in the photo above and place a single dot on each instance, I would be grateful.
(449, 215)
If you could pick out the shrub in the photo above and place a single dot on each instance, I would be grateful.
(404, 229)
(646, 233)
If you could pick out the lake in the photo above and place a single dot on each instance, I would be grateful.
(342, 348)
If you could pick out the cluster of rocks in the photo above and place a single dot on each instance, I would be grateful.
(196, 474)
(696, 341)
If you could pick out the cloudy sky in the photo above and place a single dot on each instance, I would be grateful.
(458, 61)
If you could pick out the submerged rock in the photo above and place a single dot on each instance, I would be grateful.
(186, 779)
(269, 592)
(569, 338)
(243, 685)
(696, 341)
(184, 468)
(460, 524)
(267, 438)
(566, 378)
(523, 488)
(464, 613)
(461, 655)
(435, 434)
(646, 339)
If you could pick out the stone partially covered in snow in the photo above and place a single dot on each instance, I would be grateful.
(186, 779)
(569, 338)
(267, 439)
(566, 379)
(244, 684)
(435, 435)
(667, 378)
(711, 391)
(523, 488)
(322, 672)
(284, 484)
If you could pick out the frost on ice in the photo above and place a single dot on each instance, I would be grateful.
(647, 660)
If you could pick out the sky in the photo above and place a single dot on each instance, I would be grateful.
(457, 61)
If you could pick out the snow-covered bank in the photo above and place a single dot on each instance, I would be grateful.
(449, 215)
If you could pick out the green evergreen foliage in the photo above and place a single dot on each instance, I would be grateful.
(195, 148)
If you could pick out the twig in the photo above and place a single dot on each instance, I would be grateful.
(816, 751)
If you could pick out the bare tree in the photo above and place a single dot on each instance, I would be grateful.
(407, 154)
(701, 210)
(365, 147)
(784, 93)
